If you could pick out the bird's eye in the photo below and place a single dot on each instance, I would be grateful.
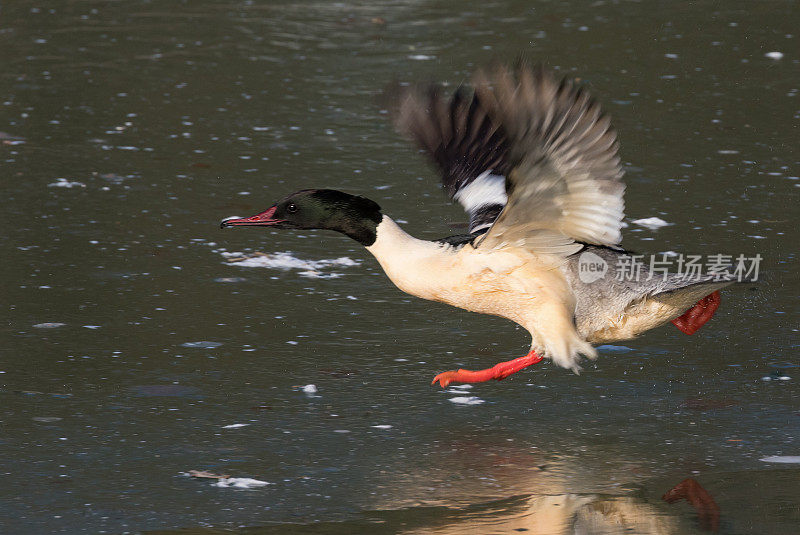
(291, 208)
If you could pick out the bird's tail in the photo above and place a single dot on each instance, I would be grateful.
(686, 293)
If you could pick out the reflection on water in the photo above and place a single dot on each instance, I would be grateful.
(554, 494)
(563, 513)
(554, 503)
(560, 513)
(588, 514)
(134, 351)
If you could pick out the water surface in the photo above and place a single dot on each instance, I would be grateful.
(132, 346)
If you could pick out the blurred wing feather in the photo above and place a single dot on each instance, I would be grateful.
(467, 145)
(532, 157)
(565, 184)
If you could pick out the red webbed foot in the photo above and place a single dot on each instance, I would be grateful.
(698, 315)
(498, 372)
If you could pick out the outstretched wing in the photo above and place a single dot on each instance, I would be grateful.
(469, 147)
(545, 141)
(566, 181)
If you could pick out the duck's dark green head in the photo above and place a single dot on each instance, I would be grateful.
(355, 216)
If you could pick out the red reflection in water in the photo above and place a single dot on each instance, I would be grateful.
(690, 490)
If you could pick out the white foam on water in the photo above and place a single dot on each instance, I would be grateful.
(786, 459)
(230, 279)
(421, 57)
(318, 275)
(202, 344)
(285, 261)
(240, 483)
(774, 55)
(49, 325)
(234, 426)
(64, 183)
(310, 389)
(466, 400)
(651, 222)
(381, 426)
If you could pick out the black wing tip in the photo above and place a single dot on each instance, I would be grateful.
(457, 132)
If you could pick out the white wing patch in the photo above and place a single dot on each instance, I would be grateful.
(483, 198)
(485, 190)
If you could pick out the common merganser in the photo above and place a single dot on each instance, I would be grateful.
(533, 161)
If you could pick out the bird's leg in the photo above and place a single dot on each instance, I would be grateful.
(497, 372)
(699, 314)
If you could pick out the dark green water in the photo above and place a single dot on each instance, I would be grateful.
(165, 117)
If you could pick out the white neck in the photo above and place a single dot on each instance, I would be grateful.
(390, 236)
(406, 260)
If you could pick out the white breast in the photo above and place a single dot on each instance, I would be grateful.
(486, 282)
(415, 266)
(512, 283)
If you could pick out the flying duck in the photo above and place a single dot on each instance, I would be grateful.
(533, 161)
